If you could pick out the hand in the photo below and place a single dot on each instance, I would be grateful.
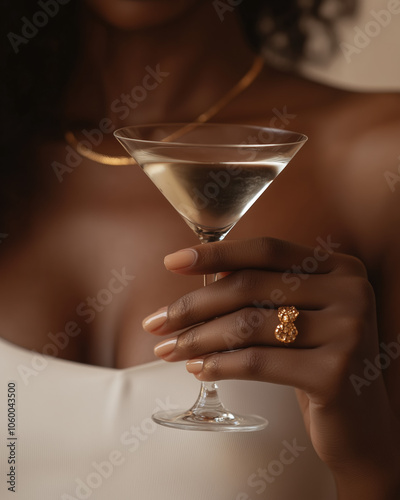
(229, 334)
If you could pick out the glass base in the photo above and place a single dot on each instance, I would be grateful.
(206, 420)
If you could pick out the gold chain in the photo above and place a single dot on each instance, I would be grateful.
(240, 86)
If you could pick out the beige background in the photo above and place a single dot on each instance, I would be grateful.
(377, 66)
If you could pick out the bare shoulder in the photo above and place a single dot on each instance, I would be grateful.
(363, 167)
(352, 159)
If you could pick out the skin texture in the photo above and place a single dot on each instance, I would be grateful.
(99, 219)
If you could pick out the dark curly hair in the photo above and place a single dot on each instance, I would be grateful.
(284, 28)
(34, 74)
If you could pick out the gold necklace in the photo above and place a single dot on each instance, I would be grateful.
(238, 88)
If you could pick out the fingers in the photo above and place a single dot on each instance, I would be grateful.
(263, 253)
(228, 327)
(269, 364)
(246, 328)
(247, 288)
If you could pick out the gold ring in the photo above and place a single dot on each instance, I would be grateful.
(286, 332)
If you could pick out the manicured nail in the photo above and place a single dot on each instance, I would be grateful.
(166, 347)
(181, 259)
(194, 366)
(156, 320)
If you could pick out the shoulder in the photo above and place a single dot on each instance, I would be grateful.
(363, 168)
(368, 135)
(353, 155)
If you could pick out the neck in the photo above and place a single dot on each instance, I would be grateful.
(172, 72)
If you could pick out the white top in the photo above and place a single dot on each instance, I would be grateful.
(86, 432)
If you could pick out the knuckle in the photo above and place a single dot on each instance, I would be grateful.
(213, 256)
(354, 294)
(362, 294)
(365, 290)
(334, 367)
(253, 362)
(271, 248)
(358, 266)
(354, 330)
(183, 309)
(249, 322)
(218, 255)
(334, 374)
(245, 280)
(189, 340)
(350, 263)
(212, 368)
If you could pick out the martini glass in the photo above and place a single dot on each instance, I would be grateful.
(211, 174)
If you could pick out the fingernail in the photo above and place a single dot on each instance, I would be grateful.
(181, 259)
(166, 347)
(156, 320)
(194, 366)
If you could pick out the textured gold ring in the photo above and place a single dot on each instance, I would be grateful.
(286, 332)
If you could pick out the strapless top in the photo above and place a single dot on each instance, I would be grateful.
(71, 431)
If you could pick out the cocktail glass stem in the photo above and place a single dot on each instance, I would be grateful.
(208, 399)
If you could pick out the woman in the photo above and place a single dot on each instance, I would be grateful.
(324, 247)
